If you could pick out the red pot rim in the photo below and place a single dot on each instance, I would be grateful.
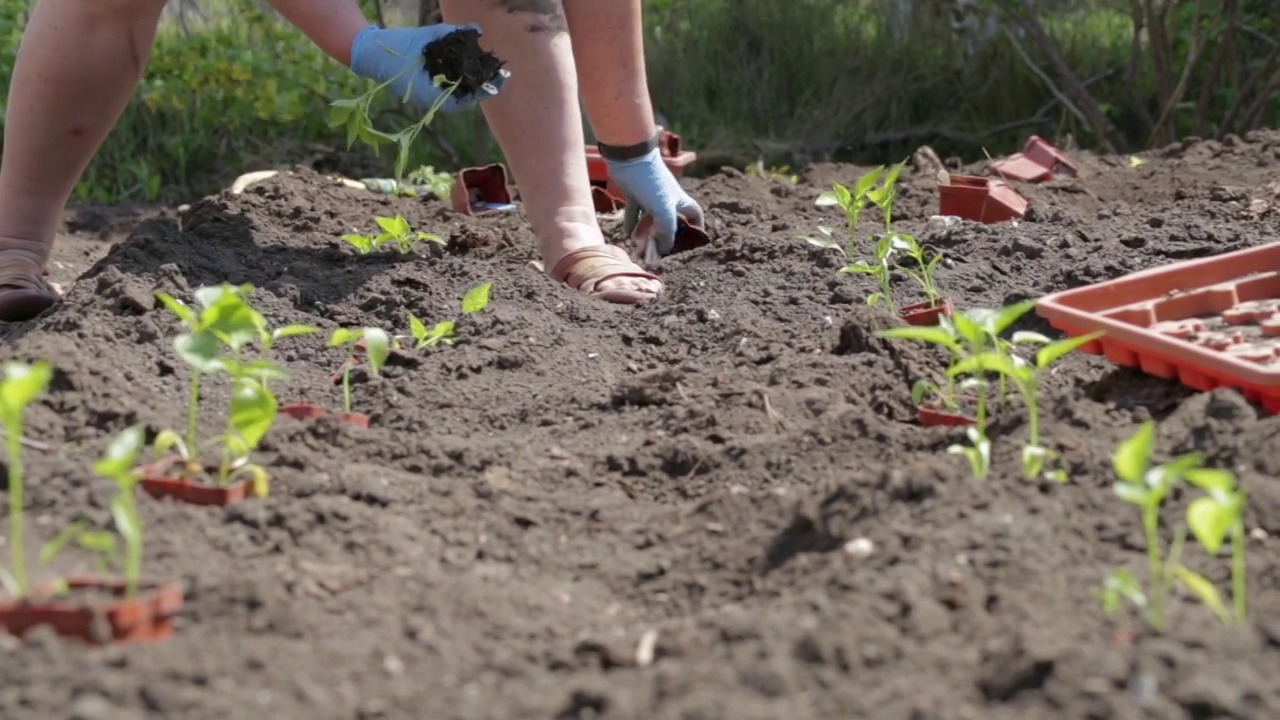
(145, 617)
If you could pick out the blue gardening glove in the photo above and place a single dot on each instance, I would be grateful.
(380, 54)
(648, 186)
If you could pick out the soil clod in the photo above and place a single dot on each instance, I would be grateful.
(459, 58)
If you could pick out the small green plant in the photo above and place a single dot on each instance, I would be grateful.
(1213, 519)
(1025, 378)
(439, 183)
(377, 348)
(118, 464)
(394, 230)
(475, 300)
(758, 169)
(23, 383)
(878, 269)
(354, 115)
(977, 452)
(852, 200)
(251, 413)
(927, 262)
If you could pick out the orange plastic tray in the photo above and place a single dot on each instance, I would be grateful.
(1207, 323)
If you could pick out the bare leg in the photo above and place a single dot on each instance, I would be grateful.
(77, 65)
(608, 47)
(536, 120)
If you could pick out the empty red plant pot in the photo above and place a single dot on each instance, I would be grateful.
(84, 615)
(302, 411)
(482, 190)
(1042, 153)
(688, 236)
(161, 480)
(605, 201)
(925, 313)
(985, 200)
(1237, 316)
(933, 417)
(1271, 328)
(673, 153)
(1038, 162)
(307, 411)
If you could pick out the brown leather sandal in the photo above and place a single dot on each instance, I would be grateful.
(24, 290)
(584, 270)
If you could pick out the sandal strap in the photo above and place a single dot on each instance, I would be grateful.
(22, 274)
(567, 268)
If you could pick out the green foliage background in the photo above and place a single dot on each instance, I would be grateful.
(788, 81)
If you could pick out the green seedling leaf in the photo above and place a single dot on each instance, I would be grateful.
(1026, 337)
(253, 410)
(1210, 521)
(1204, 590)
(417, 328)
(122, 453)
(1048, 354)
(476, 299)
(22, 384)
(1121, 585)
(200, 350)
(60, 541)
(179, 309)
(393, 226)
(377, 345)
(362, 243)
(289, 331)
(934, 335)
(990, 361)
(827, 199)
(167, 440)
(866, 182)
(1212, 480)
(1132, 456)
(919, 390)
(343, 336)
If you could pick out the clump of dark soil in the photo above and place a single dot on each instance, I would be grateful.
(459, 58)
(714, 505)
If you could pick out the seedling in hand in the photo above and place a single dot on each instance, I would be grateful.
(394, 230)
(377, 348)
(22, 385)
(475, 300)
(354, 115)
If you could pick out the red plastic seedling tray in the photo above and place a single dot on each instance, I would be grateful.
(1208, 323)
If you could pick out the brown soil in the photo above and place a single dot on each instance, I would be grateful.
(459, 57)
(573, 480)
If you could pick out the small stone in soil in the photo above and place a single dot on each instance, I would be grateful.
(459, 58)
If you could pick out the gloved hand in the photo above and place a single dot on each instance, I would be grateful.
(380, 54)
(648, 185)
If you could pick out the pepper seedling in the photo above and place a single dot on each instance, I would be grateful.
(852, 200)
(977, 452)
(22, 385)
(878, 269)
(251, 414)
(394, 230)
(1025, 377)
(438, 182)
(118, 464)
(377, 348)
(475, 300)
(927, 263)
(1212, 519)
(354, 115)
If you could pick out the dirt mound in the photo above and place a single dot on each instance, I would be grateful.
(733, 470)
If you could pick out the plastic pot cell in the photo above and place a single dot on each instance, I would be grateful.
(165, 480)
(307, 411)
(96, 612)
(1038, 162)
(938, 417)
(688, 236)
(1229, 300)
(605, 201)
(926, 313)
(482, 190)
(984, 200)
